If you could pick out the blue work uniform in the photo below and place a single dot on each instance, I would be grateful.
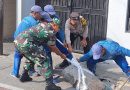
(26, 23)
(113, 51)
(60, 35)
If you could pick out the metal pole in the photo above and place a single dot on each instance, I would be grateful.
(1, 27)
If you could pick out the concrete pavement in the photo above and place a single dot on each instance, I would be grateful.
(7, 82)
(108, 70)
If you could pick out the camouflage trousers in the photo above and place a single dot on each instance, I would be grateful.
(36, 54)
(45, 69)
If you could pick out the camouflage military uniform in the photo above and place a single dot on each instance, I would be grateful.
(31, 44)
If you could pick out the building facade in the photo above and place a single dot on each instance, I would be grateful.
(15, 10)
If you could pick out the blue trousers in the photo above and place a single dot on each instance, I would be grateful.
(17, 61)
(119, 59)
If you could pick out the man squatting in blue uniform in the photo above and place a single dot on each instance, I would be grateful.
(107, 50)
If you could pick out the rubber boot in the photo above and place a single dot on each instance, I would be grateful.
(50, 85)
(25, 76)
(62, 65)
(31, 71)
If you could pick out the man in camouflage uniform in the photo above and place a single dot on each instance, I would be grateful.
(31, 43)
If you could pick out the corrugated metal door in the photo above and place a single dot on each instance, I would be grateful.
(95, 11)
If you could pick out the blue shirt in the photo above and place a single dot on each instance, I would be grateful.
(26, 23)
(60, 34)
(112, 50)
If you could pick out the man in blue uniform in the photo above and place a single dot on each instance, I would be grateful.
(106, 50)
(50, 10)
(27, 22)
(60, 36)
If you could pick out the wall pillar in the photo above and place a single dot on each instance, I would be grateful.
(1, 26)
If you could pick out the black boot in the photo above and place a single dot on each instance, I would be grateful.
(51, 85)
(31, 71)
(62, 65)
(25, 77)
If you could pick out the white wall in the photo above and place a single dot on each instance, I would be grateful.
(26, 6)
(117, 14)
(23, 9)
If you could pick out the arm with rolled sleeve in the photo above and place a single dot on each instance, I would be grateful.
(86, 56)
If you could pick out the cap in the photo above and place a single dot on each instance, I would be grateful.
(46, 17)
(97, 51)
(37, 8)
(56, 20)
(49, 9)
(74, 15)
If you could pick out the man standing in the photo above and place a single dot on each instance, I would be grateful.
(27, 22)
(60, 36)
(107, 50)
(50, 10)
